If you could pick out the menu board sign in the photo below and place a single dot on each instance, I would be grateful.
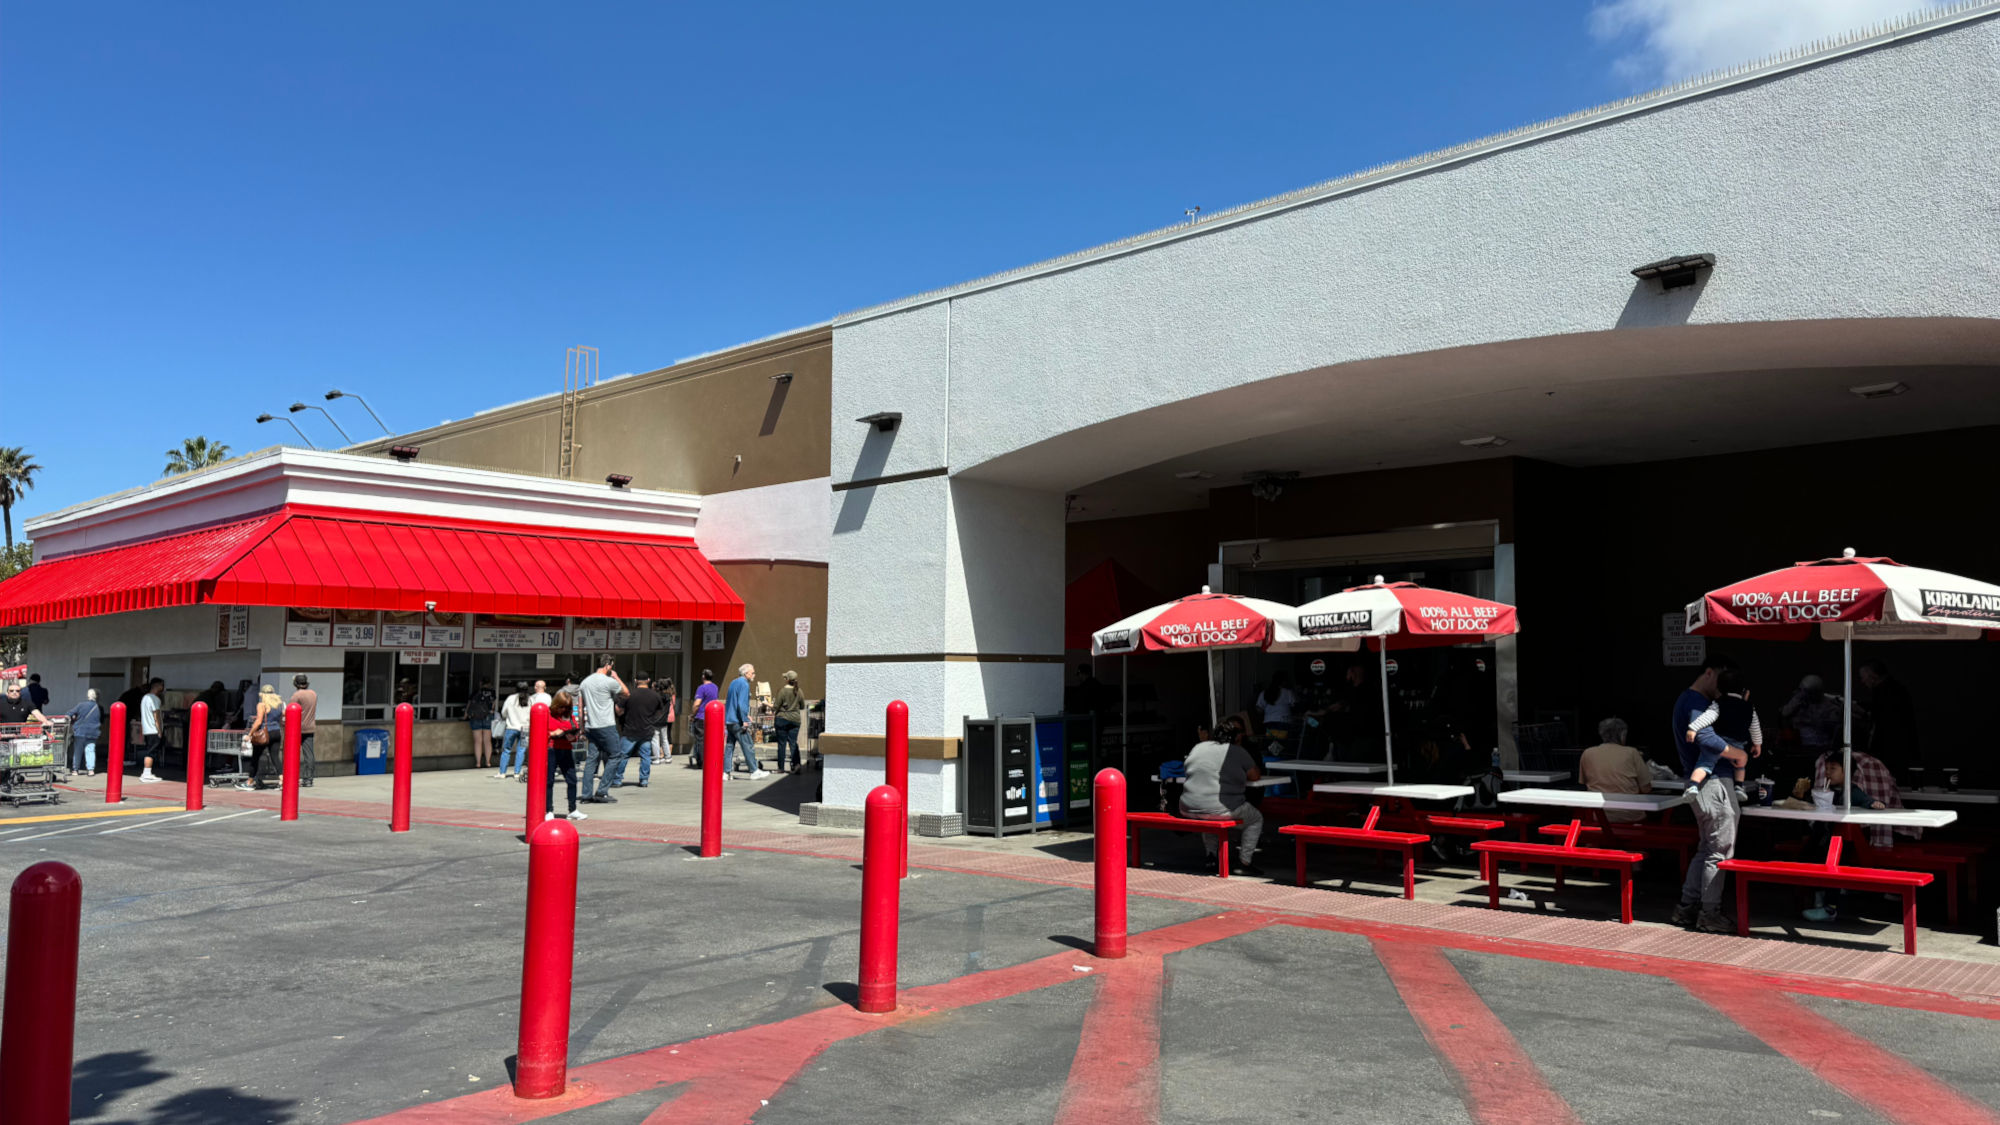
(308, 626)
(627, 635)
(402, 628)
(518, 632)
(711, 636)
(663, 638)
(354, 628)
(232, 627)
(444, 630)
(590, 633)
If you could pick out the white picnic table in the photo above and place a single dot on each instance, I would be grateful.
(1952, 796)
(1260, 783)
(1311, 765)
(1417, 792)
(1539, 777)
(1873, 818)
(1585, 799)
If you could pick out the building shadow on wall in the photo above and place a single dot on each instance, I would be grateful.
(854, 502)
(779, 389)
(101, 1081)
(1651, 305)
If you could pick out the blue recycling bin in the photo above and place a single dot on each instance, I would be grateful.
(371, 750)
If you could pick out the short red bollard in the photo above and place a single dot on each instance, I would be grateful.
(713, 766)
(881, 892)
(1108, 804)
(538, 765)
(197, 749)
(38, 1028)
(896, 772)
(114, 757)
(405, 749)
(541, 1063)
(288, 798)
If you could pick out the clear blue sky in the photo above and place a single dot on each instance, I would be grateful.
(212, 210)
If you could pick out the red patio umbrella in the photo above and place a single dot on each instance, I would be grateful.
(1848, 597)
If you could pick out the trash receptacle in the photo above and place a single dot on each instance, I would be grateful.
(371, 750)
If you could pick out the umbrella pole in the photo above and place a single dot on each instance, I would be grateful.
(1847, 720)
(1388, 739)
(1125, 716)
(1212, 716)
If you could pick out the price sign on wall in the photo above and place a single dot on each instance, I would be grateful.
(711, 636)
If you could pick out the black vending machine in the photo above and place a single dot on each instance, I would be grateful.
(997, 777)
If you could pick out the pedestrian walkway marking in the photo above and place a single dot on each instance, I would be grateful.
(90, 815)
(219, 819)
(46, 835)
(148, 823)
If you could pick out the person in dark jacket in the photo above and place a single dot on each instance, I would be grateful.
(86, 727)
(645, 712)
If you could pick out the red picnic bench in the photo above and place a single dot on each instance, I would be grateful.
(1137, 821)
(1560, 856)
(1366, 836)
(1828, 874)
(1640, 837)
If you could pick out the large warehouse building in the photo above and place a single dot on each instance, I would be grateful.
(1594, 368)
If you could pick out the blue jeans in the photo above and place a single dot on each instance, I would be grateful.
(606, 746)
(736, 736)
(786, 731)
(644, 746)
(86, 754)
(515, 744)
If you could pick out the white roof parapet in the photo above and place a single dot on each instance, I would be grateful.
(1870, 38)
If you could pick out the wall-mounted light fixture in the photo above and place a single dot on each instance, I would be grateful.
(1267, 484)
(1484, 441)
(618, 481)
(782, 377)
(1879, 390)
(263, 418)
(885, 422)
(1677, 272)
(405, 453)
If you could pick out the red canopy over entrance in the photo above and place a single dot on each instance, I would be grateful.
(341, 559)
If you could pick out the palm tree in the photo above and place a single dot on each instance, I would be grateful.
(195, 453)
(17, 475)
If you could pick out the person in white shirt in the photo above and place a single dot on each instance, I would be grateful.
(149, 727)
(1277, 707)
(514, 744)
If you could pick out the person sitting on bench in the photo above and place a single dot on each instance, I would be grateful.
(1218, 773)
(1836, 776)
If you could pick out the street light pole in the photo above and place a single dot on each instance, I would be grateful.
(331, 395)
(298, 406)
(263, 418)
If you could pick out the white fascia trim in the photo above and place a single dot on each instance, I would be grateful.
(1811, 55)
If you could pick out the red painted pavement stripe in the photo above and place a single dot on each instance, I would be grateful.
(1892, 1086)
(1115, 1076)
(1500, 1083)
(766, 1056)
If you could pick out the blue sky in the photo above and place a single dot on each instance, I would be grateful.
(208, 211)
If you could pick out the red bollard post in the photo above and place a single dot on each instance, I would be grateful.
(197, 750)
(541, 1066)
(896, 772)
(38, 1028)
(1108, 804)
(881, 892)
(114, 757)
(538, 765)
(405, 748)
(288, 798)
(713, 767)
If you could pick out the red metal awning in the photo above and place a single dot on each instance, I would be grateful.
(326, 558)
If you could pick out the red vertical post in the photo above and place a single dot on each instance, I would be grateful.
(405, 749)
(38, 1029)
(896, 773)
(288, 798)
(1108, 804)
(114, 758)
(538, 765)
(541, 1067)
(197, 754)
(713, 766)
(881, 892)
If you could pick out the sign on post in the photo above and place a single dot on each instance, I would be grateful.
(1677, 648)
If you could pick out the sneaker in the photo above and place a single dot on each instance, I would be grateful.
(758, 775)
(1683, 915)
(605, 799)
(1247, 868)
(1822, 914)
(148, 776)
(500, 776)
(578, 814)
(246, 787)
(645, 784)
(1742, 798)
(1714, 924)
(548, 816)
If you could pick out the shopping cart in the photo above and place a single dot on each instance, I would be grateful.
(234, 745)
(28, 754)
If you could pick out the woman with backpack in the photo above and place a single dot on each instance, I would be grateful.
(479, 716)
